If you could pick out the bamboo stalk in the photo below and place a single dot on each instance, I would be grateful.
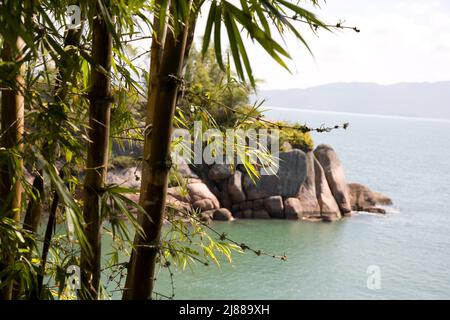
(12, 124)
(140, 278)
(97, 157)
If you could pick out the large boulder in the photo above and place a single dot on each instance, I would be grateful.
(197, 194)
(222, 214)
(334, 173)
(287, 181)
(328, 207)
(307, 192)
(262, 187)
(274, 205)
(200, 191)
(293, 209)
(291, 172)
(235, 190)
(219, 172)
(364, 199)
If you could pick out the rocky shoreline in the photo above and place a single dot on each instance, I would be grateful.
(309, 186)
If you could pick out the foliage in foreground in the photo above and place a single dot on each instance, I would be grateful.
(49, 70)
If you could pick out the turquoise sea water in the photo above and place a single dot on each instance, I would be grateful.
(408, 160)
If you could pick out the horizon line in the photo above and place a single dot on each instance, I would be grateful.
(354, 82)
(374, 115)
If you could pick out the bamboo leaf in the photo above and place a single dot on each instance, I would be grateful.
(208, 28)
(217, 35)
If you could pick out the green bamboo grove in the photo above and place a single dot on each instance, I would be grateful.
(73, 86)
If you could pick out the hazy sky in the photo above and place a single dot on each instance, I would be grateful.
(400, 40)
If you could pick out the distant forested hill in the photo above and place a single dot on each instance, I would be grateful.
(431, 100)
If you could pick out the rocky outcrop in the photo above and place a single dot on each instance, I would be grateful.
(364, 199)
(292, 172)
(334, 173)
(293, 209)
(329, 209)
(307, 194)
(274, 206)
(264, 187)
(308, 186)
(197, 194)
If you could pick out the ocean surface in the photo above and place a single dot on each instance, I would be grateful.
(407, 159)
